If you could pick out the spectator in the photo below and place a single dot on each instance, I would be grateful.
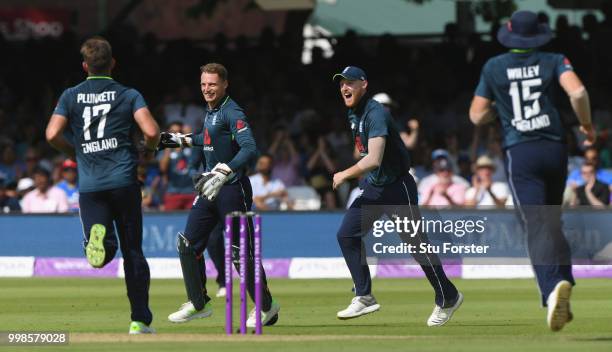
(444, 191)
(484, 192)
(268, 192)
(286, 159)
(320, 167)
(10, 170)
(439, 156)
(174, 165)
(33, 162)
(591, 155)
(593, 192)
(486, 140)
(7, 203)
(68, 184)
(44, 198)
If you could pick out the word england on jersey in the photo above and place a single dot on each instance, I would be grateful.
(97, 146)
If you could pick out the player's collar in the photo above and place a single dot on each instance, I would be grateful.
(99, 77)
(218, 107)
(521, 51)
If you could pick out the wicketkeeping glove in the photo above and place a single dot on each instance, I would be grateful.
(209, 183)
(174, 140)
(200, 179)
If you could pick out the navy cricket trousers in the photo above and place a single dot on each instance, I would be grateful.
(537, 172)
(350, 237)
(121, 207)
(216, 251)
(203, 219)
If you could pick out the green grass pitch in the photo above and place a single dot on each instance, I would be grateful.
(497, 315)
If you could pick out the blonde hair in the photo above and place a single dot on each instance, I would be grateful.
(216, 68)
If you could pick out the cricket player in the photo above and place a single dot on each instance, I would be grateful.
(223, 188)
(385, 163)
(102, 116)
(523, 84)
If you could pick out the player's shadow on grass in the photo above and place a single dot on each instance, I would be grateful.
(493, 324)
(344, 325)
(602, 338)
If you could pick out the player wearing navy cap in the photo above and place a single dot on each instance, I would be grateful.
(385, 163)
(523, 84)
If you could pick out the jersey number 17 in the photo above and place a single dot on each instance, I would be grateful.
(92, 112)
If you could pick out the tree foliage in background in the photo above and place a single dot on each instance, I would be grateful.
(493, 11)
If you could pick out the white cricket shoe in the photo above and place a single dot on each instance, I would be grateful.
(441, 316)
(137, 328)
(558, 302)
(360, 305)
(188, 312)
(222, 292)
(267, 318)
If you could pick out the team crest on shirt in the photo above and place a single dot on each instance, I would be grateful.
(241, 126)
(207, 142)
(206, 137)
(359, 145)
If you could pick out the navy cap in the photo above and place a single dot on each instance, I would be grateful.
(523, 31)
(351, 73)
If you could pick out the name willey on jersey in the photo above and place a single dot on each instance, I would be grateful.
(530, 78)
(98, 109)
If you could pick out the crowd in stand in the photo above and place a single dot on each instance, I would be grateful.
(297, 116)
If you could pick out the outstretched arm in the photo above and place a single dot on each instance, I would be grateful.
(148, 126)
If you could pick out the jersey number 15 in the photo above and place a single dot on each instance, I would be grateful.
(93, 112)
(525, 103)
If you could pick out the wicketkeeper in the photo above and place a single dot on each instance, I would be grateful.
(228, 146)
